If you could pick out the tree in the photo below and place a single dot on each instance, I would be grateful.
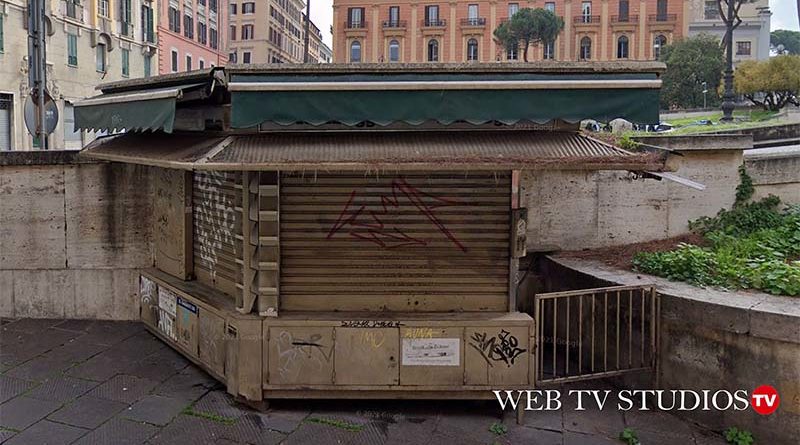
(777, 78)
(690, 62)
(789, 39)
(529, 27)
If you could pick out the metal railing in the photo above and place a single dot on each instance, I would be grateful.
(587, 19)
(595, 333)
(72, 10)
(126, 29)
(662, 18)
(362, 24)
(433, 22)
(474, 21)
(393, 24)
(630, 18)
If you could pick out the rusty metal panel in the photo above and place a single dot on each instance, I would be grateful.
(211, 343)
(367, 356)
(431, 356)
(415, 242)
(300, 355)
(496, 355)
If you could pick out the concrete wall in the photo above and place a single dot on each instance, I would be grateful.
(775, 171)
(572, 210)
(73, 236)
(712, 340)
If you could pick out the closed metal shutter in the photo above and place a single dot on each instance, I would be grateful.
(217, 220)
(411, 242)
(5, 122)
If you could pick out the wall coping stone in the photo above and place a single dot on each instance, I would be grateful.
(44, 157)
(743, 312)
(700, 142)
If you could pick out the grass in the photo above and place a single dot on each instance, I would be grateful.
(342, 425)
(743, 119)
(190, 411)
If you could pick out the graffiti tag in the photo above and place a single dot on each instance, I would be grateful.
(502, 348)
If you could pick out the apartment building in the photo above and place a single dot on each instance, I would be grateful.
(88, 43)
(266, 31)
(751, 38)
(191, 35)
(461, 31)
(314, 42)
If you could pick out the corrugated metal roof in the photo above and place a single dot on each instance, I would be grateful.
(427, 150)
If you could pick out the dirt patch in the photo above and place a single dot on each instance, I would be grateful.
(622, 256)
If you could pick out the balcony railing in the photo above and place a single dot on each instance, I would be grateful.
(587, 19)
(361, 24)
(148, 35)
(72, 10)
(474, 21)
(126, 29)
(394, 24)
(625, 18)
(662, 18)
(430, 23)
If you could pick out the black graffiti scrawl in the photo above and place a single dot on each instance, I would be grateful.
(501, 348)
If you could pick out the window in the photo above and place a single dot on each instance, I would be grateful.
(70, 134)
(355, 18)
(549, 51)
(512, 53)
(711, 10)
(188, 62)
(658, 44)
(624, 9)
(233, 8)
(174, 61)
(394, 51)
(147, 24)
(233, 57)
(72, 50)
(432, 16)
(513, 8)
(233, 33)
(102, 7)
(661, 10)
(247, 32)
(622, 47)
(586, 48)
(100, 61)
(212, 5)
(472, 49)
(586, 12)
(246, 57)
(743, 48)
(126, 17)
(201, 33)
(126, 62)
(148, 61)
(174, 17)
(213, 38)
(6, 111)
(472, 12)
(201, 64)
(433, 50)
(355, 51)
(248, 8)
(550, 6)
(188, 26)
(394, 16)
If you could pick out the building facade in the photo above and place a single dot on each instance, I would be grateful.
(191, 35)
(266, 31)
(460, 31)
(750, 39)
(87, 43)
(325, 53)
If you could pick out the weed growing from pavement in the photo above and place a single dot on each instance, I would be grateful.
(190, 411)
(736, 436)
(629, 437)
(498, 429)
(347, 426)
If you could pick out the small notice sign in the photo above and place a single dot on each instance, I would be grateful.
(167, 305)
(431, 352)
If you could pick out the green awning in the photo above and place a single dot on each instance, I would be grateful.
(131, 111)
(445, 98)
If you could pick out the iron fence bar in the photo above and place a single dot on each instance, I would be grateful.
(630, 328)
(566, 343)
(617, 323)
(605, 331)
(555, 333)
(580, 333)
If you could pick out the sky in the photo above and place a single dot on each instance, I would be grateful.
(784, 16)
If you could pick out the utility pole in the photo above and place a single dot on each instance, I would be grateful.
(37, 72)
(305, 42)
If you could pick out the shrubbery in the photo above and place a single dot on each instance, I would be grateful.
(752, 246)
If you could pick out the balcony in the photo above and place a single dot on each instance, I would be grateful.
(662, 18)
(394, 24)
(474, 22)
(622, 19)
(125, 29)
(355, 25)
(587, 20)
(72, 10)
(434, 23)
(148, 36)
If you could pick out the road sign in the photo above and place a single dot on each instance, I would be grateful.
(31, 112)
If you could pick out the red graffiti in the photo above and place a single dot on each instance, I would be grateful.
(375, 230)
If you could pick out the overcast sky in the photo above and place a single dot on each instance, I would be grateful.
(784, 16)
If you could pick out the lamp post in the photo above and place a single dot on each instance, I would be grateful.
(306, 58)
(728, 97)
(705, 91)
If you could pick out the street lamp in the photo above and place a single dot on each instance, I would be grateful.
(728, 97)
(705, 90)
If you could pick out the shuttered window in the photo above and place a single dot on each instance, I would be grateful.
(411, 242)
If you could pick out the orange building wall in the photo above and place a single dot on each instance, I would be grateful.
(453, 38)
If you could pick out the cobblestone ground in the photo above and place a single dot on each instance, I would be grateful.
(96, 382)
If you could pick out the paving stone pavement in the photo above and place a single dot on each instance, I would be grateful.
(102, 382)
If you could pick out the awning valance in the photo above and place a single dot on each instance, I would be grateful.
(136, 110)
(373, 151)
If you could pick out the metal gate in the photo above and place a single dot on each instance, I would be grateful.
(595, 333)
